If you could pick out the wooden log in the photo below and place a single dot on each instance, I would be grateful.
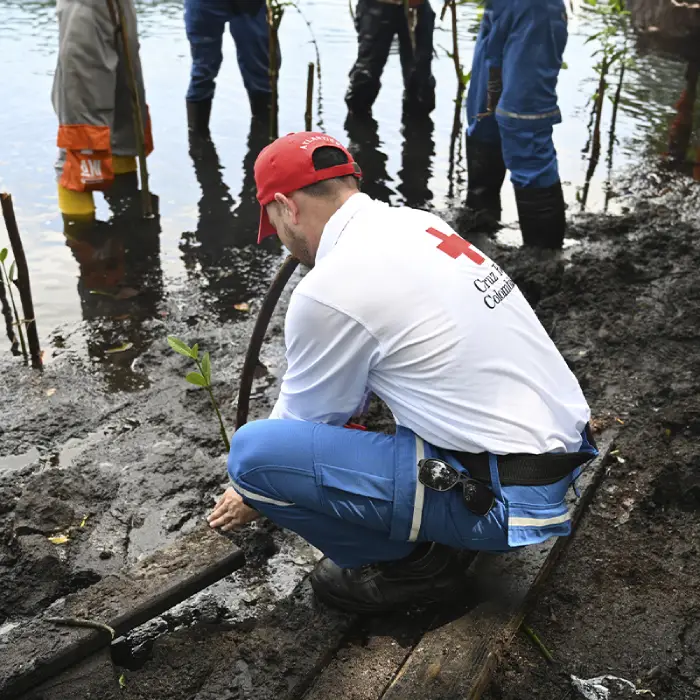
(25, 290)
(456, 660)
(36, 650)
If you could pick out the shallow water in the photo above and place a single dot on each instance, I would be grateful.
(203, 242)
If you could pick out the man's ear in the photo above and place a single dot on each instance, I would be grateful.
(289, 206)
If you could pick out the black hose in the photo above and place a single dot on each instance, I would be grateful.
(258, 336)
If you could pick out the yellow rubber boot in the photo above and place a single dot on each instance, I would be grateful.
(122, 165)
(76, 205)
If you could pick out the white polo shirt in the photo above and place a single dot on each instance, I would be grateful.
(398, 304)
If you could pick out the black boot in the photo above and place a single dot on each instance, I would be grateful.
(485, 174)
(542, 215)
(430, 574)
(198, 114)
(260, 105)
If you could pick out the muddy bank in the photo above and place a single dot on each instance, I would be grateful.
(111, 477)
(625, 311)
(623, 305)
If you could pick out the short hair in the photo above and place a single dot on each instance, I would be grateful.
(328, 157)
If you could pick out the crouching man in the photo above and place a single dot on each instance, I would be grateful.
(492, 424)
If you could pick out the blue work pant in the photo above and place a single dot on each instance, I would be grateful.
(205, 21)
(525, 39)
(355, 495)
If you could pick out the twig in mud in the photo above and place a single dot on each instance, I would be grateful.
(80, 622)
(23, 285)
(117, 14)
(538, 643)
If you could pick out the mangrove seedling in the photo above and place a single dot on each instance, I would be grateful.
(201, 378)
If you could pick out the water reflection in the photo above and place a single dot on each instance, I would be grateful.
(422, 165)
(221, 254)
(416, 161)
(417, 153)
(682, 152)
(120, 285)
(365, 146)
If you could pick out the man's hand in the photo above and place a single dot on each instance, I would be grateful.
(230, 512)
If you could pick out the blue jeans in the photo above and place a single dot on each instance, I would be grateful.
(525, 39)
(355, 495)
(205, 21)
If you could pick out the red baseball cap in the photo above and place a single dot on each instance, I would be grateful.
(287, 165)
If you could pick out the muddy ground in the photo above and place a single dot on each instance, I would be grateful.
(122, 474)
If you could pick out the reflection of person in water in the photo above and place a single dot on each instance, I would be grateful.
(222, 243)
(416, 159)
(416, 162)
(120, 286)
(365, 146)
(681, 129)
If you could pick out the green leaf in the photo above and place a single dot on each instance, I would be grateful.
(196, 378)
(3, 255)
(179, 347)
(206, 367)
(122, 681)
(11, 273)
(564, 65)
(195, 351)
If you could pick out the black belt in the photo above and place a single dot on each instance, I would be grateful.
(523, 469)
(526, 469)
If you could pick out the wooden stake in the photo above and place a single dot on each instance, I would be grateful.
(25, 291)
(274, 16)
(308, 115)
(117, 14)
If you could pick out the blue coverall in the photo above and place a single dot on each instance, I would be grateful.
(205, 21)
(355, 495)
(512, 107)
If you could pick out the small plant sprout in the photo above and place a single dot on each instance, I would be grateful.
(9, 278)
(201, 378)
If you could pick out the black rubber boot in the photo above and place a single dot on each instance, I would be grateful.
(485, 174)
(260, 105)
(431, 574)
(198, 115)
(542, 214)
